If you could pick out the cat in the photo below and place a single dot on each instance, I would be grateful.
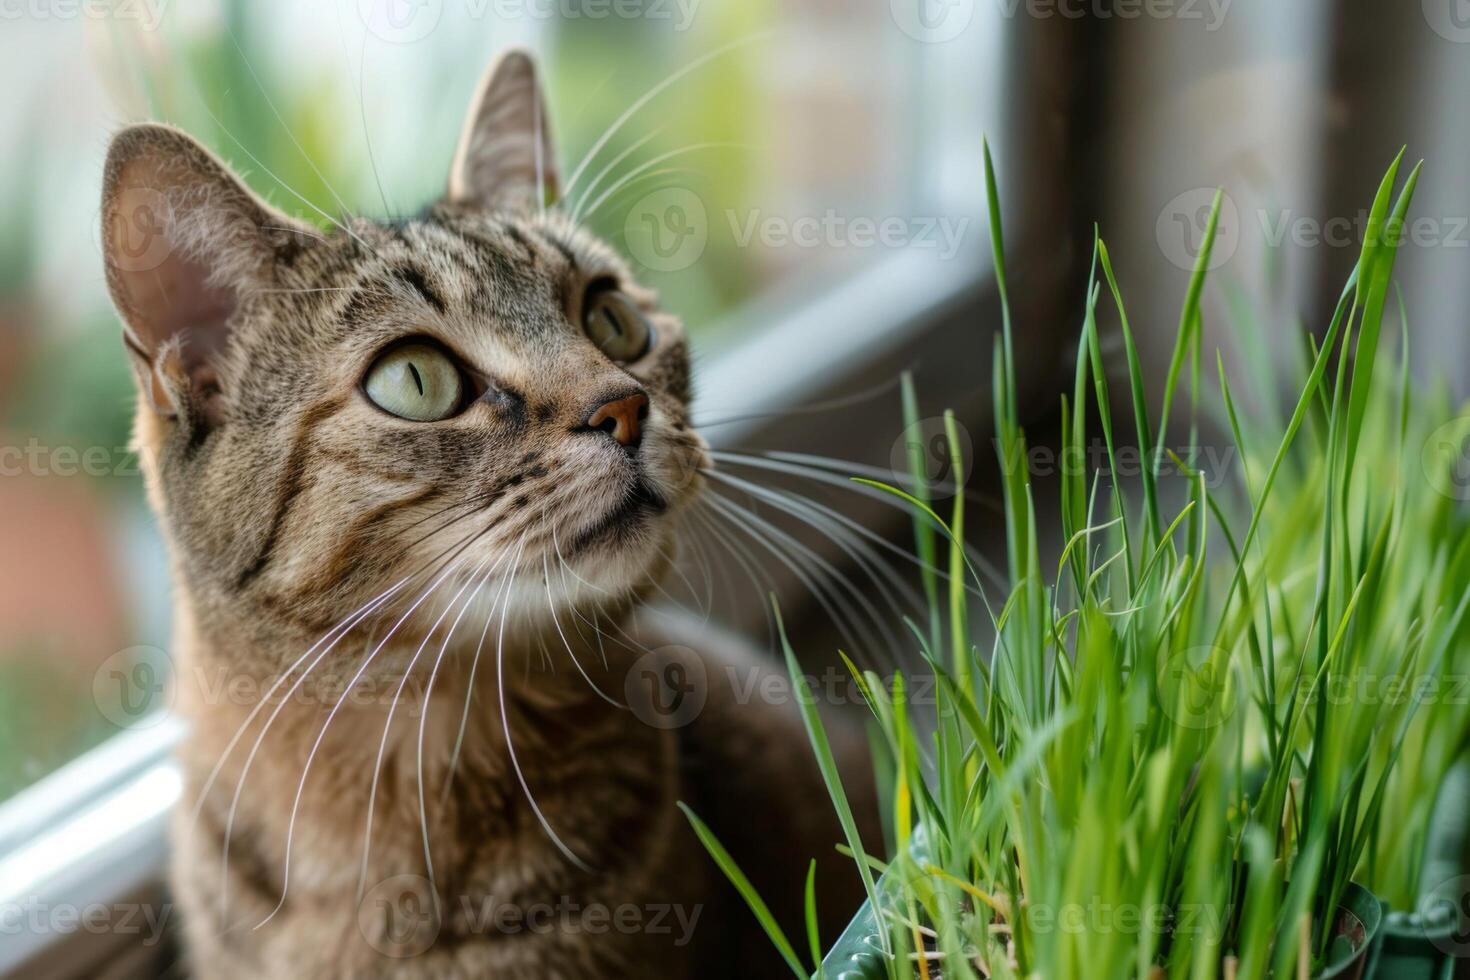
(449, 452)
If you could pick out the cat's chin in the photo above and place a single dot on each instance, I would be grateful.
(621, 558)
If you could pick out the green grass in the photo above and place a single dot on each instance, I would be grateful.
(1169, 754)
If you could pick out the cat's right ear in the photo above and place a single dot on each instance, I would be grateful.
(506, 159)
(184, 242)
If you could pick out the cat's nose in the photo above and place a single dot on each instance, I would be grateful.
(622, 418)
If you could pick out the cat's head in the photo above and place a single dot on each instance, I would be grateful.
(326, 412)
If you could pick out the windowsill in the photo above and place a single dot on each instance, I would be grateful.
(95, 831)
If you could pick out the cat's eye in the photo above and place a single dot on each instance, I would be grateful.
(616, 326)
(416, 381)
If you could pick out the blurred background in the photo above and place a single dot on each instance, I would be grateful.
(757, 114)
(808, 166)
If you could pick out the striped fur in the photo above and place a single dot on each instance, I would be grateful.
(290, 501)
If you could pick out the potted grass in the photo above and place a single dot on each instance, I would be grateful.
(1148, 773)
(1417, 859)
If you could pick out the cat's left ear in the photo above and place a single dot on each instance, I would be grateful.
(505, 159)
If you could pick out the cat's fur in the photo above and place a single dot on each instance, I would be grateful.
(290, 502)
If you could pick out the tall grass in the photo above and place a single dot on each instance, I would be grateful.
(1178, 748)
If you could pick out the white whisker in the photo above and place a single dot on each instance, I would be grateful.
(321, 736)
(551, 607)
(388, 722)
(509, 742)
(643, 168)
(648, 97)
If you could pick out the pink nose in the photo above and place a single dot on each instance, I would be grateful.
(622, 419)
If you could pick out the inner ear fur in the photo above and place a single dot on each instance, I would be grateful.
(184, 240)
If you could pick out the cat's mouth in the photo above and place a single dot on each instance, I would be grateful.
(626, 519)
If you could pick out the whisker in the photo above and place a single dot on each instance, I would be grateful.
(627, 185)
(464, 716)
(883, 577)
(702, 557)
(649, 96)
(644, 167)
(854, 527)
(673, 566)
(287, 187)
(627, 152)
(510, 743)
(245, 60)
(846, 621)
(887, 499)
(551, 607)
(423, 722)
(321, 735)
(367, 139)
(815, 408)
(340, 631)
(760, 580)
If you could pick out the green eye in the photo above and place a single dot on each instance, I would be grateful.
(614, 324)
(416, 382)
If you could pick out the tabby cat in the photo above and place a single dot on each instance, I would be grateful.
(417, 478)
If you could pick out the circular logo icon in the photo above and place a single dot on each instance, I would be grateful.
(1446, 459)
(1450, 19)
(1180, 230)
(923, 451)
(400, 21)
(667, 688)
(1445, 914)
(1196, 687)
(932, 21)
(136, 230)
(683, 465)
(399, 916)
(131, 688)
(667, 230)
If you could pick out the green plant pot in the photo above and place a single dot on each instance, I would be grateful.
(858, 952)
(1422, 945)
(1356, 934)
(1414, 947)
